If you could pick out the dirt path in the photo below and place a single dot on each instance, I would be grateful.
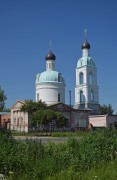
(43, 139)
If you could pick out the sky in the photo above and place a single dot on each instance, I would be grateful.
(26, 28)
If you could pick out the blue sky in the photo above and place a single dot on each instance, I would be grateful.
(27, 26)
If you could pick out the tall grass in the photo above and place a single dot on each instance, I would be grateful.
(33, 160)
(104, 171)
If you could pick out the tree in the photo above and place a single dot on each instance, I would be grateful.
(45, 117)
(37, 117)
(3, 98)
(42, 117)
(106, 109)
(61, 120)
(6, 109)
(31, 106)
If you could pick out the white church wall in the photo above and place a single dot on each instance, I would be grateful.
(48, 92)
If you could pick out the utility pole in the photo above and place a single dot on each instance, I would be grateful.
(70, 106)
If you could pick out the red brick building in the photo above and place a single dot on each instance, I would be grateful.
(5, 119)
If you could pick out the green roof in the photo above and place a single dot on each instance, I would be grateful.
(50, 76)
(86, 61)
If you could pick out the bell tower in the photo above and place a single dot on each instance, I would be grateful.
(86, 90)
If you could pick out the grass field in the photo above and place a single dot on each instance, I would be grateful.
(93, 157)
(105, 171)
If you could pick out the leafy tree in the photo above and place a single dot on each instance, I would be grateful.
(3, 98)
(31, 106)
(37, 117)
(6, 109)
(49, 116)
(61, 120)
(42, 117)
(45, 117)
(106, 109)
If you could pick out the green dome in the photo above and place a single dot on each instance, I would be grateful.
(50, 76)
(85, 61)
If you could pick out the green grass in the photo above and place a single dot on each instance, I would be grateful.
(70, 134)
(104, 171)
(93, 157)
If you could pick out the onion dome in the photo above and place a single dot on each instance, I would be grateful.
(86, 45)
(50, 56)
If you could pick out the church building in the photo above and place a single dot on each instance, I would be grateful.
(50, 88)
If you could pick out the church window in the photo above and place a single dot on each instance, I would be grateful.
(58, 97)
(81, 78)
(59, 77)
(90, 78)
(91, 62)
(81, 96)
(48, 65)
(92, 96)
(38, 97)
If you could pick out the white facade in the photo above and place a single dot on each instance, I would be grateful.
(86, 90)
(19, 120)
(50, 84)
(50, 92)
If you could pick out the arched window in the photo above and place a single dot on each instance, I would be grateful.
(81, 96)
(81, 78)
(81, 63)
(90, 78)
(59, 98)
(59, 77)
(92, 96)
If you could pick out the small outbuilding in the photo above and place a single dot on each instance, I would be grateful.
(106, 120)
(5, 119)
